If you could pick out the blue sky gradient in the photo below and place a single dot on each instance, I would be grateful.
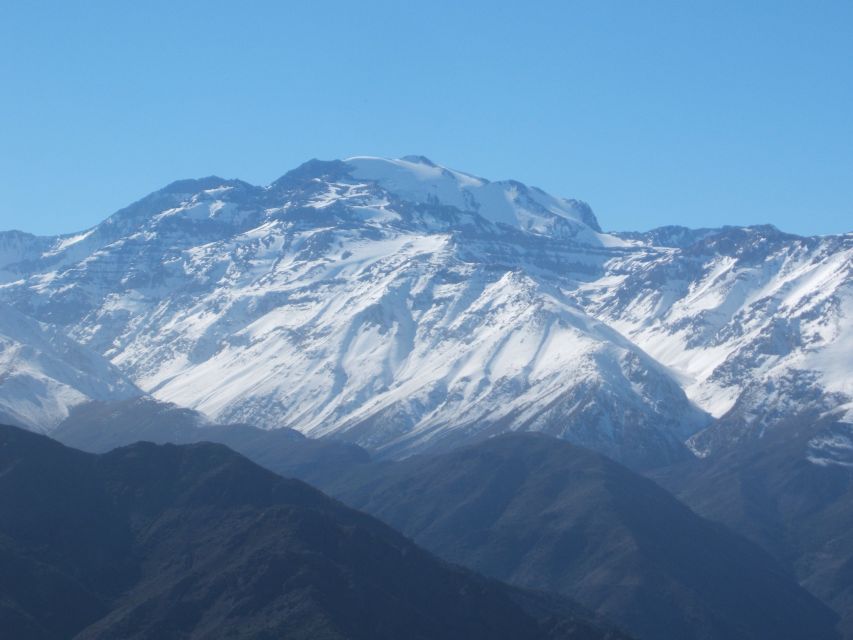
(667, 112)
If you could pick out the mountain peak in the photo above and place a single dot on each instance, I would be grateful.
(312, 169)
(507, 202)
(419, 160)
(194, 185)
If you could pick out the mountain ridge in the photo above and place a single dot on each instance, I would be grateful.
(527, 509)
(427, 273)
(195, 541)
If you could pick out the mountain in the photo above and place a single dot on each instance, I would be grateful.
(16, 247)
(411, 309)
(197, 542)
(758, 323)
(44, 374)
(100, 427)
(544, 514)
(530, 510)
(792, 493)
(408, 307)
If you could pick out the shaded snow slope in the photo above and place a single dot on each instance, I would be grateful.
(43, 374)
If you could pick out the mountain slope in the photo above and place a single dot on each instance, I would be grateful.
(758, 323)
(99, 427)
(398, 304)
(792, 493)
(43, 374)
(197, 542)
(531, 510)
(544, 514)
(409, 307)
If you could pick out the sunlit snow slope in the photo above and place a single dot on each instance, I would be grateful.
(758, 323)
(407, 306)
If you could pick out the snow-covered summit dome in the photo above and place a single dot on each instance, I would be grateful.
(418, 179)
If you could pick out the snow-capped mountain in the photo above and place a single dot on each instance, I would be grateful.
(407, 306)
(43, 374)
(758, 323)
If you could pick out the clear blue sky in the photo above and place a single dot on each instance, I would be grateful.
(701, 113)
